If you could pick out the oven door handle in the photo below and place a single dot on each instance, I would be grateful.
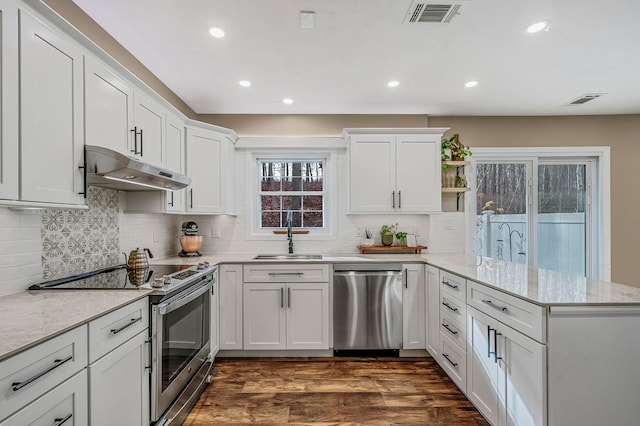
(172, 305)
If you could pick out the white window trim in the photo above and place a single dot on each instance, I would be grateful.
(601, 153)
(293, 148)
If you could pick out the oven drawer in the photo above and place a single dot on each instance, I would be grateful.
(29, 374)
(289, 273)
(453, 285)
(110, 331)
(454, 307)
(526, 317)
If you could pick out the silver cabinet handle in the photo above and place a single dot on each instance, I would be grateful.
(59, 421)
(455, 287)
(281, 298)
(171, 202)
(494, 306)
(16, 386)
(399, 199)
(446, 356)
(275, 274)
(141, 143)
(405, 275)
(450, 307)
(393, 199)
(124, 327)
(445, 325)
(190, 198)
(288, 297)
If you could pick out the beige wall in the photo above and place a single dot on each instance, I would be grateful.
(76, 17)
(620, 132)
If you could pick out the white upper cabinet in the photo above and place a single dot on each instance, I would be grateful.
(8, 109)
(148, 132)
(176, 161)
(394, 170)
(210, 163)
(51, 115)
(108, 108)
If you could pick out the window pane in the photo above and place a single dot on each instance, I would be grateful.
(270, 202)
(313, 202)
(295, 216)
(270, 219)
(270, 184)
(313, 220)
(501, 224)
(562, 227)
(291, 202)
(292, 184)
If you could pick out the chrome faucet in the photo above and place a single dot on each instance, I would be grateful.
(290, 230)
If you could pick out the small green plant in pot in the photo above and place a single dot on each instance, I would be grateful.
(402, 238)
(386, 234)
(452, 149)
(368, 238)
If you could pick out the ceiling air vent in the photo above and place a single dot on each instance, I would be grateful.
(434, 12)
(584, 99)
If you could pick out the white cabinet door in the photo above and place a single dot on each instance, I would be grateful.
(372, 173)
(230, 303)
(264, 316)
(418, 173)
(307, 315)
(148, 137)
(215, 320)
(9, 107)
(119, 385)
(51, 114)
(433, 310)
(482, 364)
(413, 307)
(204, 155)
(65, 404)
(175, 200)
(108, 106)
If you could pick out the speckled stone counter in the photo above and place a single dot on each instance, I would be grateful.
(31, 317)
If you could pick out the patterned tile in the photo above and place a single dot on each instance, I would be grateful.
(77, 241)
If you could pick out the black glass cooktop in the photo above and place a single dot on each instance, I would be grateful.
(116, 277)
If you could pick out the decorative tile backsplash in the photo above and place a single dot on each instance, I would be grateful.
(77, 241)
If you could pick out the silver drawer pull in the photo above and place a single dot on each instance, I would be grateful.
(62, 420)
(450, 307)
(494, 306)
(455, 287)
(455, 364)
(129, 324)
(56, 363)
(449, 329)
(298, 274)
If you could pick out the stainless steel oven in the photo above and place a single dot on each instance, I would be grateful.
(180, 358)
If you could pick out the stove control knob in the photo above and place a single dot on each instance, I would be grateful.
(206, 264)
(166, 279)
(157, 283)
(201, 265)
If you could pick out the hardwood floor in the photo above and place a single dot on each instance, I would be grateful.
(327, 391)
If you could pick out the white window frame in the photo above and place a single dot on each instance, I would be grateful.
(599, 195)
(274, 148)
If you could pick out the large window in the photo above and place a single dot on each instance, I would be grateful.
(543, 211)
(295, 186)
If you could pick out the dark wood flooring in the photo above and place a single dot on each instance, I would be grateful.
(329, 391)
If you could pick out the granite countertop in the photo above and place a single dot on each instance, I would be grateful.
(31, 317)
(540, 286)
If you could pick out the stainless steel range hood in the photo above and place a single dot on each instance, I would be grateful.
(110, 169)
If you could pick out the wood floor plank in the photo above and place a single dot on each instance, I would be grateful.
(332, 391)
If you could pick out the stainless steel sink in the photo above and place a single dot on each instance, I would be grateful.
(288, 257)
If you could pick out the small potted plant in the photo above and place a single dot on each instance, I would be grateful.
(368, 238)
(452, 149)
(402, 238)
(386, 234)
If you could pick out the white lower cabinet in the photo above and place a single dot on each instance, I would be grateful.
(413, 307)
(432, 293)
(506, 377)
(64, 405)
(119, 385)
(286, 316)
(230, 303)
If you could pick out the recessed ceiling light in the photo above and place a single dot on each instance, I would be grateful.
(244, 83)
(287, 101)
(393, 83)
(471, 83)
(538, 26)
(216, 32)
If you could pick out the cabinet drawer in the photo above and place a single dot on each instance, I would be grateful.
(526, 317)
(454, 362)
(26, 376)
(66, 401)
(110, 331)
(454, 330)
(453, 285)
(286, 273)
(454, 307)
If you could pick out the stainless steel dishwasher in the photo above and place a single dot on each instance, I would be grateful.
(367, 307)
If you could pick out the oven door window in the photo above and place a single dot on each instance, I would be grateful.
(185, 331)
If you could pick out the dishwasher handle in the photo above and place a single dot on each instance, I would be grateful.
(367, 273)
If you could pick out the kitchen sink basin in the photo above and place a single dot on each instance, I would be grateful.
(288, 257)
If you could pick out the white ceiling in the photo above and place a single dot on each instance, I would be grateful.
(343, 64)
